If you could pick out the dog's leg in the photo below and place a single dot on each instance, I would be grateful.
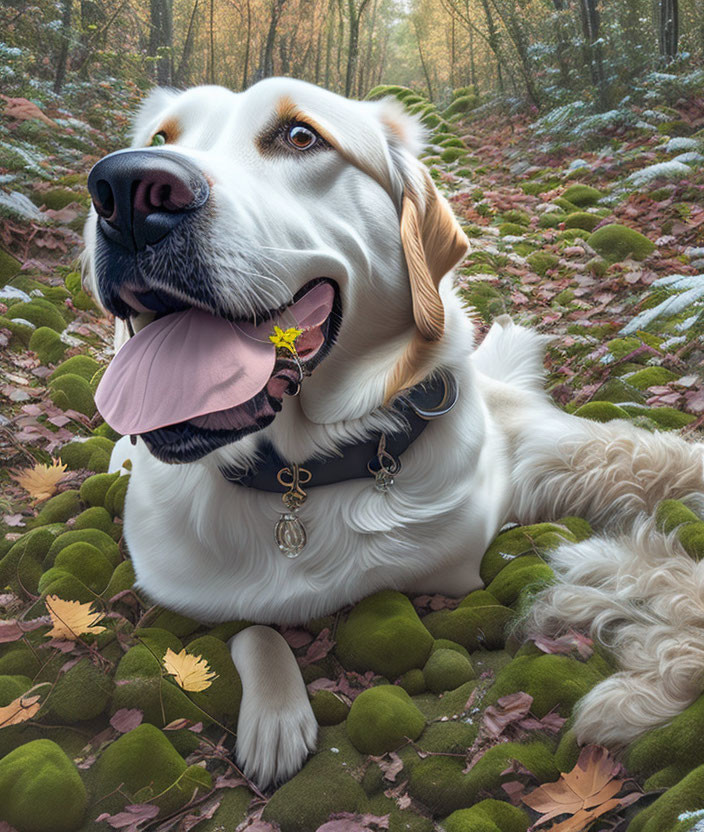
(276, 728)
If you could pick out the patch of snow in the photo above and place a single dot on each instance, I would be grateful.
(655, 115)
(692, 157)
(660, 170)
(578, 163)
(24, 322)
(673, 342)
(683, 326)
(693, 252)
(13, 293)
(70, 340)
(678, 144)
(18, 203)
(693, 286)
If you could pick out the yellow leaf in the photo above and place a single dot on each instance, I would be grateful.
(285, 339)
(190, 672)
(20, 710)
(71, 619)
(41, 481)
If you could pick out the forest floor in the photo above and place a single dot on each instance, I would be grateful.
(484, 720)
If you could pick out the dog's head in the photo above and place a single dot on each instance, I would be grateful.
(283, 205)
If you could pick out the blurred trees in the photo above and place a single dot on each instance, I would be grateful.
(540, 51)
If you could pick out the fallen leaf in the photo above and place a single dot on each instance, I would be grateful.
(22, 110)
(126, 719)
(40, 482)
(12, 630)
(71, 619)
(509, 709)
(132, 818)
(19, 710)
(586, 792)
(319, 649)
(190, 672)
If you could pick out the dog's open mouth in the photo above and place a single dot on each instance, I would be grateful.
(190, 381)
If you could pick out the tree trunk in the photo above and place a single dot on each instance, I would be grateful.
(494, 43)
(267, 69)
(355, 15)
(245, 71)
(161, 38)
(594, 52)
(668, 29)
(211, 38)
(180, 74)
(422, 60)
(62, 59)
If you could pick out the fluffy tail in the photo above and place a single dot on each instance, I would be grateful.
(641, 596)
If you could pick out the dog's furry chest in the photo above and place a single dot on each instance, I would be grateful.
(206, 547)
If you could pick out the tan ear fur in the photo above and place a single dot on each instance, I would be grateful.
(433, 243)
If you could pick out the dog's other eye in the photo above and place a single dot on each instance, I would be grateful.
(301, 137)
(158, 139)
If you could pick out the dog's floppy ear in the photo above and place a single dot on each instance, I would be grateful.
(433, 243)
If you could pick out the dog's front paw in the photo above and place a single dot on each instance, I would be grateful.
(276, 728)
(272, 745)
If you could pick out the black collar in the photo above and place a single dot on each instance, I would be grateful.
(363, 459)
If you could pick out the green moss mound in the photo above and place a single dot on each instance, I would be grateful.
(541, 261)
(488, 816)
(222, 699)
(670, 514)
(554, 682)
(328, 708)
(97, 518)
(38, 312)
(20, 332)
(72, 392)
(601, 412)
(462, 104)
(383, 633)
(524, 540)
(452, 154)
(21, 565)
(95, 488)
(651, 377)
(9, 267)
(82, 693)
(583, 220)
(668, 418)
(691, 537)
(86, 562)
(58, 509)
(121, 579)
(47, 344)
(145, 764)
(115, 496)
(308, 799)
(413, 682)
(79, 365)
(447, 670)
(662, 816)
(95, 537)
(11, 687)
(519, 575)
(479, 621)
(381, 718)
(79, 455)
(40, 789)
(617, 242)
(439, 784)
(512, 229)
(582, 195)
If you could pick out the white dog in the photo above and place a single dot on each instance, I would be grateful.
(289, 206)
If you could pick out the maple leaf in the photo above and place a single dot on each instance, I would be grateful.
(41, 481)
(190, 672)
(71, 619)
(19, 710)
(285, 339)
(585, 793)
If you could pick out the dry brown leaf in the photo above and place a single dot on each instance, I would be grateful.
(19, 710)
(586, 792)
(190, 672)
(71, 619)
(22, 110)
(41, 481)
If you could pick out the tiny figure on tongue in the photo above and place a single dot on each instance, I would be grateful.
(285, 340)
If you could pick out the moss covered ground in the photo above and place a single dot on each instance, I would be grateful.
(405, 689)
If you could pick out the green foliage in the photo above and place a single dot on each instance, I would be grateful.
(72, 392)
(447, 670)
(47, 344)
(488, 816)
(582, 195)
(38, 312)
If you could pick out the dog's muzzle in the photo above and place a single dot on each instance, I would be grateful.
(142, 195)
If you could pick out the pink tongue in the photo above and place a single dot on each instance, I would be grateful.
(191, 363)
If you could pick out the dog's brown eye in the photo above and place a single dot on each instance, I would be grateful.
(301, 137)
(158, 139)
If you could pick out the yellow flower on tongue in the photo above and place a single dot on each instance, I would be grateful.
(285, 339)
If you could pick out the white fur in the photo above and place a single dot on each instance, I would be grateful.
(206, 548)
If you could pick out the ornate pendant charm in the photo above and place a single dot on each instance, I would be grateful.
(388, 467)
(289, 532)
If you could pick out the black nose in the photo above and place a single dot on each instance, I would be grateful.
(141, 195)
